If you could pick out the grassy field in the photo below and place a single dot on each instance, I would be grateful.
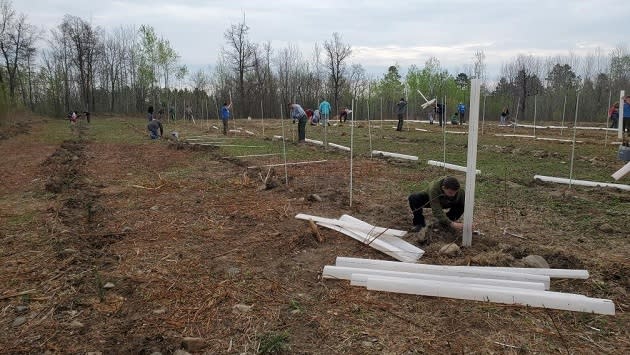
(112, 242)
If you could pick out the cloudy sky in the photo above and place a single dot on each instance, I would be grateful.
(380, 32)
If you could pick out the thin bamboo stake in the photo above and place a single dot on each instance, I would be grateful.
(577, 102)
(535, 96)
(606, 121)
(483, 114)
(564, 109)
(284, 148)
(368, 118)
(262, 118)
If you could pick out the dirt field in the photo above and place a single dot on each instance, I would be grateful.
(119, 247)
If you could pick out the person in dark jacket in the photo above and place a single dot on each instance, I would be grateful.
(153, 128)
(441, 194)
(401, 107)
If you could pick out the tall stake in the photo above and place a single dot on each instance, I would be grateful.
(382, 127)
(471, 161)
(535, 96)
(606, 121)
(483, 115)
(518, 107)
(351, 148)
(564, 110)
(620, 120)
(368, 118)
(577, 102)
(444, 132)
(284, 148)
(262, 117)
(233, 111)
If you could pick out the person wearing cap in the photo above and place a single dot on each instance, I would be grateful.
(402, 108)
(444, 193)
(153, 128)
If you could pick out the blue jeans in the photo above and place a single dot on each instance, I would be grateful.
(154, 134)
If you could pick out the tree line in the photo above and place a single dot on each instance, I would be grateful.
(83, 67)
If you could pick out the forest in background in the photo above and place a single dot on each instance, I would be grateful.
(122, 71)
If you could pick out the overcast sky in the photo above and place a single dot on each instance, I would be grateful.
(381, 33)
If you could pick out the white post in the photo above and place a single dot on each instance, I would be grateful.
(564, 109)
(284, 148)
(471, 161)
(577, 102)
(262, 117)
(622, 94)
(351, 148)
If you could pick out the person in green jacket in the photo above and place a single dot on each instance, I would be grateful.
(441, 194)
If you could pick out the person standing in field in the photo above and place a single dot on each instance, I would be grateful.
(298, 113)
(461, 109)
(401, 109)
(324, 110)
(504, 116)
(225, 116)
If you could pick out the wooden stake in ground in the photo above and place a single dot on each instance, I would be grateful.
(284, 148)
(577, 104)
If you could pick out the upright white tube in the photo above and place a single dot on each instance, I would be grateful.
(622, 94)
(351, 148)
(471, 161)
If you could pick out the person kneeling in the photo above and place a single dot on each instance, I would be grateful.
(441, 194)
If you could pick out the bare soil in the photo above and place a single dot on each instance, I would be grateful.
(183, 235)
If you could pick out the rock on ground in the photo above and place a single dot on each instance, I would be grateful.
(450, 249)
(535, 261)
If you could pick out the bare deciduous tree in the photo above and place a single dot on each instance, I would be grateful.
(337, 53)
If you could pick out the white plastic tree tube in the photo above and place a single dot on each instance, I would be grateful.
(553, 273)
(439, 270)
(349, 273)
(395, 155)
(313, 141)
(621, 172)
(580, 182)
(352, 225)
(513, 296)
(387, 244)
(471, 162)
(449, 166)
(338, 146)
